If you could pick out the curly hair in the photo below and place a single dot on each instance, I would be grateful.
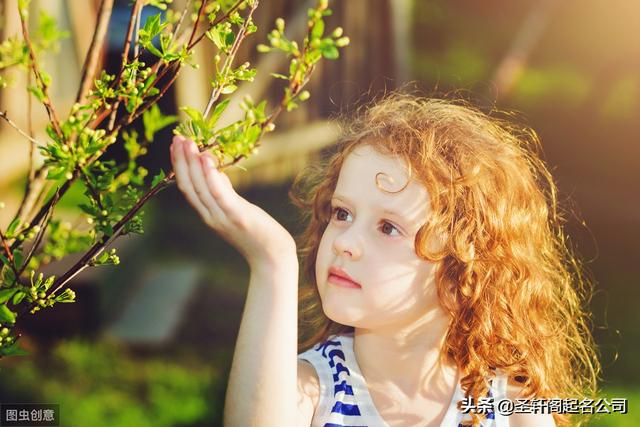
(506, 276)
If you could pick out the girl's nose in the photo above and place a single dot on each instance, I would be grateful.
(346, 243)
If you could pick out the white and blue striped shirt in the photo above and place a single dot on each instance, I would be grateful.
(344, 397)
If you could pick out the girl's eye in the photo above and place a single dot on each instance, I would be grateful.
(386, 227)
(389, 227)
(338, 211)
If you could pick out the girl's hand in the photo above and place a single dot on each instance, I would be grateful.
(259, 238)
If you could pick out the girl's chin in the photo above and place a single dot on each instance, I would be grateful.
(339, 315)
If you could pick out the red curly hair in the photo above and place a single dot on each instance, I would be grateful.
(513, 288)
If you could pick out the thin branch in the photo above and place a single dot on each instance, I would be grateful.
(45, 209)
(193, 42)
(32, 143)
(38, 238)
(242, 34)
(127, 41)
(95, 49)
(3, 115)
(53, 117)
(136, 37)
(128, 119)
(195, 25)
(179, 24)
(32, 198)
(133, 18)
(99, 246)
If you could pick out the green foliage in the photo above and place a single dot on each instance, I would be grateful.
(63, 239)
(154, 121)
(93, 383)
(15, 52)
(113, 193)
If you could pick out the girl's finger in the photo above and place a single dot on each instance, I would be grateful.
(220, 187)
(183, 180)
(196, 172)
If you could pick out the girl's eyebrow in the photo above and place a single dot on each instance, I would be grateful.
(384, 210)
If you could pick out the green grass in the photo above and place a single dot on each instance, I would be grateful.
(631, 418)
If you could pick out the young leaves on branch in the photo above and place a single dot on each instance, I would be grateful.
(115, 192)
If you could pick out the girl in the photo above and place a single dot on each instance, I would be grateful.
(436, 279)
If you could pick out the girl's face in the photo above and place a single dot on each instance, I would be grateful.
(371, 238)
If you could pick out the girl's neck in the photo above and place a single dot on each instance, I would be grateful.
(407, 358)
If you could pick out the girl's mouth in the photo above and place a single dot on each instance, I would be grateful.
(342, 282)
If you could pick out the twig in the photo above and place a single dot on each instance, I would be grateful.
(45, 209)
(131, 117)
(195, 25)
(193, 42)
(125, 57)
(179, 23)
(136, 37)
(3, 115)
(215, 93)
(51, 112)
(38, 238)
(99, 246)
(95, 49)
(32, 144)
(127, 40)
(31, 198)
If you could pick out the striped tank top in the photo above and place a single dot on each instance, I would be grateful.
(344, 399)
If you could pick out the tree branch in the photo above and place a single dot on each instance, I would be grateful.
(95, 49)
(99, 246)
(195, 25)
(51, 112)
(193, 42)
(3, 115)
(38, 239)
(45, 209)
(242, 34)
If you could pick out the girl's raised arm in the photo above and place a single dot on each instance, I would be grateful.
(262, 389)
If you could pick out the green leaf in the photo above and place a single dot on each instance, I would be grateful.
(216, 37)
(228, 89)
(194, 115)
(156, 179)
(318, 30)
(18, 297)
(37, 92)
(12, 227)
(330, 52)
(5, 294)
(217, 112)
(13, 350)
(154, 50)
(154, 121)
(17, 258)
(7, 315)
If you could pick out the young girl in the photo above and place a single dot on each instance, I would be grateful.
(436, 279)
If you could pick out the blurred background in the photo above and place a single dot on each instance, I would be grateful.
(150, 342)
